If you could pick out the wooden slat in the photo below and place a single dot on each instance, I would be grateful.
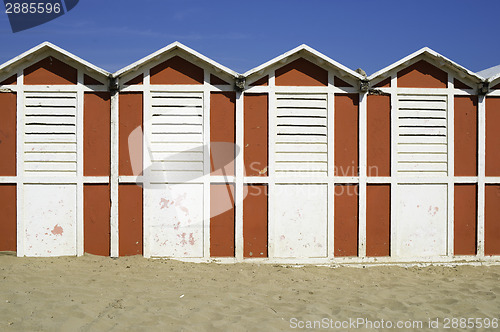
(302, 130)
(422, 122)
(44, 156)
(416, 166)
(423, 131)
(48, 167)
(422, 97)
(418, 148)
(304, 147)
(301, 166)
(300, 157)
(424, 157)
(177, 166)
(306, 112)
(176, 147)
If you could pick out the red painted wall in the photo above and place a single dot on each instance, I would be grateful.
(255, 222)
(422, 75)
(8, 111)
(130, 219)
(222, 225)
(96, 134)
(492, 220)
(8, 221)
(301, 73)
(222, 129)
(492, 136)
(378, 220)
(346, 220)
(176, 71)
(346, 134)
(466, 135)
(50, 71)
(465, 219)
(256, 134)
(96, 213)
(379, 135)
(130, 117)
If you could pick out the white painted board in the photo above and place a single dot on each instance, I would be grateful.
(422, 220)
(176, 220)
(300, 221)
(50, 220)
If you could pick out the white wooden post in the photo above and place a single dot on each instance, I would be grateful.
(451, 164)
(362, 173)
(20, 163)
(114, 178)
(79, 166)
(239, 173)
(481, 174)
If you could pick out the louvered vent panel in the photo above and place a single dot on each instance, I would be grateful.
(50, 133)
(422, 145)
(177, 135)
(301, 141)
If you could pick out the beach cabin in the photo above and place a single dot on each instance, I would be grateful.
(54, 155)
(432, 166)
(305, 170)
(175, 135)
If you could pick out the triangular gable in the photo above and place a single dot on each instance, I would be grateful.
(301, 72)
(49, 64)
(176, 70)
(424, 68)
(302, 64)
(176, 67)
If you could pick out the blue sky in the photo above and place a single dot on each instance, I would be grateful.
(241, 35)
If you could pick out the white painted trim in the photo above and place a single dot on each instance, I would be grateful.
(331, 166)
(362, 174)
(80, 229)
(394, 165)
(206, 165)
(49, 47)
(451, 164)
(240, 173)
(114, 177)
(21, 250)
(146, 123)
(307, 50)
(428, 53)
(169, 48)
(271, 201)
(302, 89)
(481, 134)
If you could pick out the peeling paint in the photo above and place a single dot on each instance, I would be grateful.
(58, 230)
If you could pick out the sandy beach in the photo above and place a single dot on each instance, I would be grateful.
(93, 293)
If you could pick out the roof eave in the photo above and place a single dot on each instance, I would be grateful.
(171, 47)
(455, 66)
(49, 46)
(310, 50)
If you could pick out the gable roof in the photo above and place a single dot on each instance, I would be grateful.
(46, 46)
(169, 48)
(490, 72)
(307, 50)
(431, 54)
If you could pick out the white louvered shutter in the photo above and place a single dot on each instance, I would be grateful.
(177, 135)
(302, 134)
(50, 133)
(422, 135)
